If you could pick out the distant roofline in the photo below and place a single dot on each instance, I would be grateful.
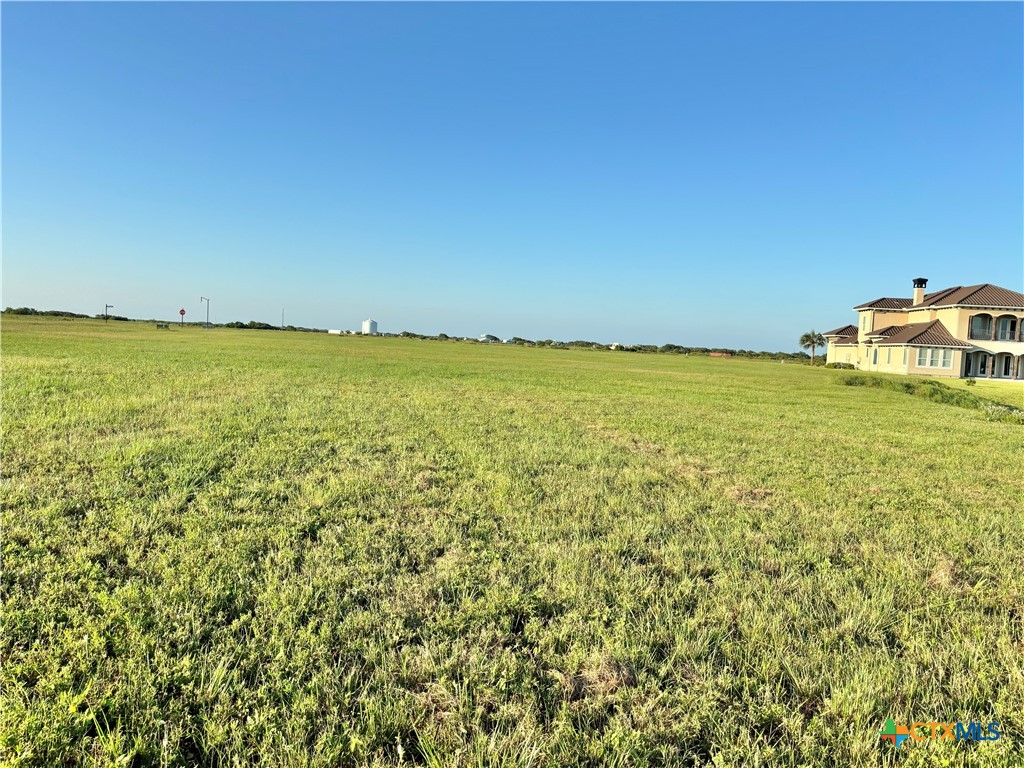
(969, 306)
(932, 300)
(910, 335)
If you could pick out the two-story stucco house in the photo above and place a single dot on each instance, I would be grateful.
(969, 331)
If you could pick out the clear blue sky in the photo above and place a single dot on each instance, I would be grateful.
(705, 174)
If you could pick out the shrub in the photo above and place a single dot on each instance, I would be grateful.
(937, 393)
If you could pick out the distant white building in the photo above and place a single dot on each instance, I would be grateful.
(369, 327)
(336, 333)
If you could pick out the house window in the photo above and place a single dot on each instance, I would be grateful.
(981, 327)
(983, 365)
(934, 357)
(905, 350)
(888, 356)
(1006, 365)
(1006, 328)
(874, 358)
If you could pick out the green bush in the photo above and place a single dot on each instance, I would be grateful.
(937, 393)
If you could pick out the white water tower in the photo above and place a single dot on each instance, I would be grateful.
(369, 327)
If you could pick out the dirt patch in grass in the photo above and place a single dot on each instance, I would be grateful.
(602, 676)
(690, 469)
(629, 441)
(694, 470)
(750, 497)
(606, 675)
(945, 575)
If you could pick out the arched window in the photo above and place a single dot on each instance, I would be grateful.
(981, 327)
(1006, 328)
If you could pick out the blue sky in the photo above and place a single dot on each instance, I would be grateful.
(705, 174)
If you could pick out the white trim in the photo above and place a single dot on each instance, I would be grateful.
(921, 307)
(973, 306)
(922, 344)
(863, 308)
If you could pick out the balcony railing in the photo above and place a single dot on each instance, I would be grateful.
(1001, 334)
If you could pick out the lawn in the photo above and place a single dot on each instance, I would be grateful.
(998, 391)
(241, 547)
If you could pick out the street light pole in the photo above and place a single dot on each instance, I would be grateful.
(202, 299)
(105, 308)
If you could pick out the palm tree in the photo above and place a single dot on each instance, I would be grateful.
(812, 340)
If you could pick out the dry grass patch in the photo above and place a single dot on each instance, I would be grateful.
(603, 675)
(750, 497)
(629, 441)
(425, 481)
(945, 575)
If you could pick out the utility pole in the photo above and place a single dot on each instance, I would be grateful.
(105, 308)
(282, 318)
(201, 300)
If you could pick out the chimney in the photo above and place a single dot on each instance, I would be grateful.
(920, 283)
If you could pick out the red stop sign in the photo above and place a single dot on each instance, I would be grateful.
(182, 313)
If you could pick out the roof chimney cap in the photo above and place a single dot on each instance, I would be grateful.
(920, 282)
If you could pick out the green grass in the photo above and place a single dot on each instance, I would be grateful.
(1007, 393)
(241, 548)
(939, 392)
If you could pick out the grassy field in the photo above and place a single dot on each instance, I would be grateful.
(998, 391)
(235, 548)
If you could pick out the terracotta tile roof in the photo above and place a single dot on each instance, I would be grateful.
(889, 330)
(886, 303)
(985, 295)
(846, 330)
(933, 334)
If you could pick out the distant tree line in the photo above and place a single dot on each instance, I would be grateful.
(664, 349)
(649, 349)
(47, 312)
(256, 325)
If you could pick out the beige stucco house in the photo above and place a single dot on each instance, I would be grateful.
(969, 331)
